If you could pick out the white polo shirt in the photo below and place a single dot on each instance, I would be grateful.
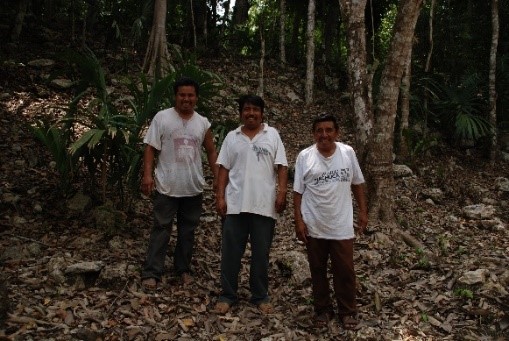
(252, 166)
(325, 185)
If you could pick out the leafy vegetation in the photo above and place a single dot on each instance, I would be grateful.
(104, 134)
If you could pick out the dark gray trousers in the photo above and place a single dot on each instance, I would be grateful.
(237, 230)
(188, 211)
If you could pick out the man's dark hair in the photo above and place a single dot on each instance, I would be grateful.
(325, 117)
(186, 81)
(251, 99)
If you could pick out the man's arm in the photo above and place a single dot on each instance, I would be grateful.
(222, 181)
(282, 183)
(210, 149)
(360, 197)
(147, 182)
(301, 230)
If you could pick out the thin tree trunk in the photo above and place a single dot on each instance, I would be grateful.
(405, 108)
(492, 78)
(282, 23)
(310, 53)
(19, 20)
(261, 86)
(157, 58)
(193, 23)
(428, 65)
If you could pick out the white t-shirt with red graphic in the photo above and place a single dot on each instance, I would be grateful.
(179, 170)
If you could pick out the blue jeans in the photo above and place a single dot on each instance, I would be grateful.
(188, 211)
(237, 230)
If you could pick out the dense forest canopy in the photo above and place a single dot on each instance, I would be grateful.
(461, 35)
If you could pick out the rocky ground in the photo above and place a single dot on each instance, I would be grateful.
(67, 279)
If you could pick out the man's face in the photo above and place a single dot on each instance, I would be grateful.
(325, 135)
(185, 99)
(251, 116)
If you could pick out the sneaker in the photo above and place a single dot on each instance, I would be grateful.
(222, 307)
(186, 278)
(265, 308)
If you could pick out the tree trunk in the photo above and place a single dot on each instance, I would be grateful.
(193, 23)
(379, 159)
(492, 78)
(19, 19)
(375, 130)
(310, 52)
(428, 65)
(261, 86)
(331, 37)
(282, 22)
(157, 58)
(359, 81)
(404, 97)
(240, 12)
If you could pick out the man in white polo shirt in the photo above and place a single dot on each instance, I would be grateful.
(252, 161)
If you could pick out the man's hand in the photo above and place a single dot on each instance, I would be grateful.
(280, 202)
(301, 231)
(221, 206)
(147, 184)
(362, 222)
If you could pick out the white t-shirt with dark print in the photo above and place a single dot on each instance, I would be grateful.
(325, 185)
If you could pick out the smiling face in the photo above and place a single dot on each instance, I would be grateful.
(325, 135)
(251, 116)
(185, 100)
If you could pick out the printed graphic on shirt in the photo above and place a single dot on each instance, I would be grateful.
(336, 175)
(260, 151)
(186, 148)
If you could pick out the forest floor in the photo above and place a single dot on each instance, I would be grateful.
(404, 292)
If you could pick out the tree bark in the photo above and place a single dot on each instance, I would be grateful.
(427, 67)
(375, 128)
(310, 53)
(379, 159)
(19, 20)
(157, 58)
(359, 80)
(282, 31)
(493, 78)
(240, 12)
(403, 151)
(193, 23)
(261, 86)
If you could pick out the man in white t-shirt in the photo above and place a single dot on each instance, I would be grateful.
(176, 135)
(252, 161)
(326, 174)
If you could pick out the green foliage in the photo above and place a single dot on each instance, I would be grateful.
(417, 143)
(221, 129)
(384, 34)
(423, 261)
(464, 293)
(424, 317)
(458, 108)
(56, 139)
(104, 133)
